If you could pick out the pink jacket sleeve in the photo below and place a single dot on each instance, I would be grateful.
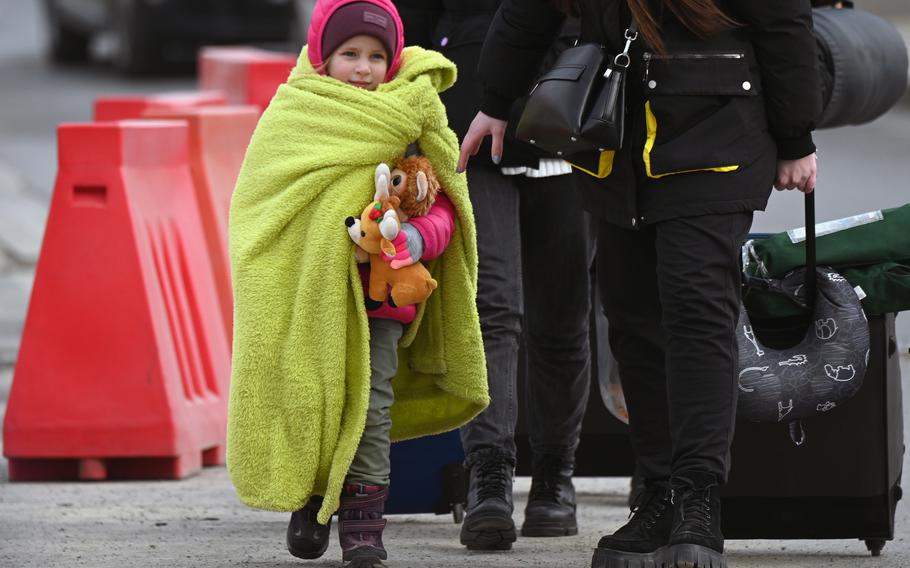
(436, 227)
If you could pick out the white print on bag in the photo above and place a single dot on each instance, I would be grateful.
(835, 277)
(746, 370)
(825, 328)
(795, 361)
(825, 407)
(750, 335)
(784, 410)
(839, 373)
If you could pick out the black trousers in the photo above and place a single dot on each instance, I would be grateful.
(535, 247)
(671, 293)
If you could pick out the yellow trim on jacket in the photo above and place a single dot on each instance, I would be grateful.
(604, 165)
(651, 122)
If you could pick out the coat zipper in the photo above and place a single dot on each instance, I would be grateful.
(648, 56)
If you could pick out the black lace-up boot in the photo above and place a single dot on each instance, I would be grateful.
(306, 538)
(640, 542)
(551, 502)
(488, 522)
(695, 540)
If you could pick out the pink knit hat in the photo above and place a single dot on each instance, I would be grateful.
(334, 21)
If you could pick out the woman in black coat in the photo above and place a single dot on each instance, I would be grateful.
(721, 101)
(535, 249)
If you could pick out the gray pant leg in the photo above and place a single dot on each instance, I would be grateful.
(495, 200)
(371, 465)
(557, 239)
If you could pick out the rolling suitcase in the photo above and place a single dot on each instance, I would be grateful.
(843, 482)
(428, 476)
(843, 479)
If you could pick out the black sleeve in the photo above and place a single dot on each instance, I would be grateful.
(516, 43)
(419, 18)
(781, 32)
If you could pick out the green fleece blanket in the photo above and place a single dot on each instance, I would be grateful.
(301, 370)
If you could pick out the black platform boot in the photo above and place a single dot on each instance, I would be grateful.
(695, 540)
(488, 523)
(551, 502)
(641, 542)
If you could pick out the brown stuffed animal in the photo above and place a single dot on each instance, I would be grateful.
(414, 182)
(377, 226)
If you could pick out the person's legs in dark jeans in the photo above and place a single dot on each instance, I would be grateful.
(626, 276)
(699, 279)
(489, 439)
(557, 243)
(681, 419)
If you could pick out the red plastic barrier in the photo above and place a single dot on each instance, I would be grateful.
(219, 137)
(135, 106)
(246, 75)
(123, 368)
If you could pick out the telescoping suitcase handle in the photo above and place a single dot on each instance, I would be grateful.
(810, 249)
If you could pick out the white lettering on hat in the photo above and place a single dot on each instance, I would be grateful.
(377, 19)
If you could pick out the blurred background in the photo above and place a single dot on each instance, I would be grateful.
(57, 56)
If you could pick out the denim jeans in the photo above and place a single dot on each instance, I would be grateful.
(671, 292)
(535, 246)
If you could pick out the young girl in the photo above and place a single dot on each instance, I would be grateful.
(311, 408)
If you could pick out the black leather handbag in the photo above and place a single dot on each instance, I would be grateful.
(578, 105)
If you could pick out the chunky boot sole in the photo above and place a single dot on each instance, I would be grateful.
(488, 533)
(306, 547)
(608, 558)
(366, 562)
(308, 554)
(364, 557)
(534, 528)
(692, 556)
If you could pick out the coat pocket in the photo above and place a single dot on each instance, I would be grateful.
(702, 113)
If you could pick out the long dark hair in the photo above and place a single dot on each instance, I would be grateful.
(701, 17)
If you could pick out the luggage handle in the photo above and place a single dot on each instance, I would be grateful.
(810, 250)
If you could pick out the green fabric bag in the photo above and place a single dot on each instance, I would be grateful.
(869, 244)
(886, 285)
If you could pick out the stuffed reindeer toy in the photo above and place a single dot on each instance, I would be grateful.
(374, 231)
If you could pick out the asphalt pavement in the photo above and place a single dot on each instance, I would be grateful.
(200, 522)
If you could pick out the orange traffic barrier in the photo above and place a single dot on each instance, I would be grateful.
(134, 106)
(218, 140)
(246, 75)
(123, 368)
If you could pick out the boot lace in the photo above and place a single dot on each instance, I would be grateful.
(695, 508)
(493, 475)
(648, 507)
(545, 484)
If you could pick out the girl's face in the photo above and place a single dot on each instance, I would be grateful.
(360, 61)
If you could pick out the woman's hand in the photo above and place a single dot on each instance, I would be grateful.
(797, 174)
(481, 127)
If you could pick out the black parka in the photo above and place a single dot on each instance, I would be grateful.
(457, 28)
(707, 120)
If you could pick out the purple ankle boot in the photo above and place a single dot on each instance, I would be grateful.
(360, 525)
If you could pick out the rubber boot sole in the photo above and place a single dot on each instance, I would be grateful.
(692, 556)
(535, 528)
(364, 557)
(488, 533)
(310, 554)
(607, 558)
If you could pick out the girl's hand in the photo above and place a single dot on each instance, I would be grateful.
(482, 126)
(797, 174)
